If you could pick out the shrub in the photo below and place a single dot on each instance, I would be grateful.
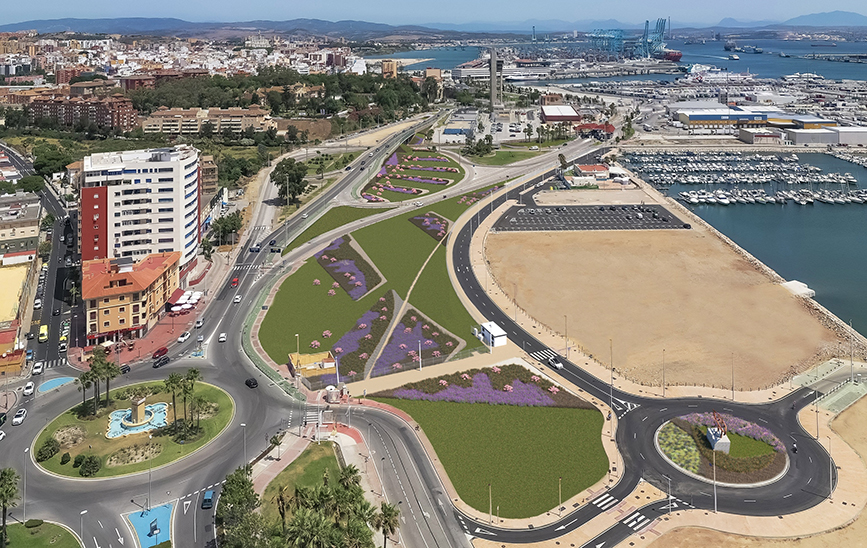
(31, 523)
(90, 466)
(65, 458)
(78, 460)
(50, 448)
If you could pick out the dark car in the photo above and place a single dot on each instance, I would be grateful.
(161, 361)
(56, 312)
(272, 242)
(160, 352)
(251, 382)
(124, 369)
(30, 335)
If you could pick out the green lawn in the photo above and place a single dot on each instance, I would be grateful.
(333, 218)
(503, 157)
(431, 188)
(532, 142)
(97, 444)
(305, 471)
(745, 447)
(331, 162)
(44, 536)
(520, 451)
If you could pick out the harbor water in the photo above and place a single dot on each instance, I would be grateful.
(823, 245)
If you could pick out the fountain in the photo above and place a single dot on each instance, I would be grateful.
(139, 418)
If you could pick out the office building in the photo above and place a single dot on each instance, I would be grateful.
(140, 202)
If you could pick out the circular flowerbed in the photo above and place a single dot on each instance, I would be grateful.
(756, 454)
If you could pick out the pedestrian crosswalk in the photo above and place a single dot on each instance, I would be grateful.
(636, 521)
(59, 362)
(260, 227)
(605, 502)
(543, 355)
(247, 267)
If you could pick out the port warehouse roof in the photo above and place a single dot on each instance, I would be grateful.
(559, 113)
(757, 113)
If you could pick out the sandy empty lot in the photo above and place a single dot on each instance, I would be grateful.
(678, 290)
(850, 426)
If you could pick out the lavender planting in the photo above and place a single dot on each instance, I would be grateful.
(738, 426)
(433, 225)
(402, 350)
(348, 269)
(356, 346)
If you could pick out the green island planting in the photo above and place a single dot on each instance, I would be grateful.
(756, 454)
(75, 443)
(39, 534)
(306, 471)
(503, 157)
(334, 218)
(487, 424)
(411, 172)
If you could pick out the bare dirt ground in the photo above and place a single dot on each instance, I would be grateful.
(371, 139)
(850, 426)
(681, 291)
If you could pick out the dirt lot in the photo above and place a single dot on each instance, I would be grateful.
(681, 291)
(850, 426)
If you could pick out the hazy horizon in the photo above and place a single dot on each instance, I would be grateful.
(447, 11)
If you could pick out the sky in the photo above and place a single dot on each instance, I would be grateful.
(421, 12)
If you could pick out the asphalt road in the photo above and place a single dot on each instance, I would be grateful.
(805, 484)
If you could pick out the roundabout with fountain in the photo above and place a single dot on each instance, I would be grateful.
(133, 428)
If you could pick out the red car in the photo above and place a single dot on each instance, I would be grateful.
(234, 282)
(160, 352)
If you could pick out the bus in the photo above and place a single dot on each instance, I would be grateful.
(43, 333)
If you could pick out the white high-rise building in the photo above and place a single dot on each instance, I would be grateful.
(138, 202)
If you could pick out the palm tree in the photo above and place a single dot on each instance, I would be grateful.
(192, 377)
(357, 534)
(8, 497)
(386, 521)
(539, 132)
(301, 499)
(173, 384)
(310, 529)
(197, 405)
(109, 371)
(83, 382)
(283, 502)
(349, 476)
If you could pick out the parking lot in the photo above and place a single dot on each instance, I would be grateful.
(620, 217)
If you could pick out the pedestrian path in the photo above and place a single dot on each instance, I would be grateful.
(605, 502)
(543, 355)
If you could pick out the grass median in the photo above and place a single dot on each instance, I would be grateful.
(44, 535)
(520, 451)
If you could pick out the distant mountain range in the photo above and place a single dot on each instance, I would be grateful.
(362, 30)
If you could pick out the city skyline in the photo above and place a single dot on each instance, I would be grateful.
(448, 12)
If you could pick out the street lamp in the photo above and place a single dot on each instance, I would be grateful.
(830, 472)
(24, 505)
(81, 525)
(150, 467)
(244, 427)
(663, 372)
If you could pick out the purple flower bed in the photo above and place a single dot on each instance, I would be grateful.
(356, 345)
(482, 391)
(417, 140)
(430, 159)
(737, 426)
(371, 197)
(402, 349)
(434, 225)
(348, 269)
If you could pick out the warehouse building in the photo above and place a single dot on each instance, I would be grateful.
(819, 136)
(851, 136)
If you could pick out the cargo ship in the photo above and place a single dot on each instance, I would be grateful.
(672, 55)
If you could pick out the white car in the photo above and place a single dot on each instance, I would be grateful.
(38, 368)
(199, 323)
(28, 389)
(237, 299)
(37, 304)
(2, 435)
(184, 336)
(19, 417)
(222, 338)
(555, 362)
(200, 339)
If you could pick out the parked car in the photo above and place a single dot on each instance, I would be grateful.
(184, 336)
(30, 335)
(28, 388)
(160, 352)
(161, 361)
(19, 417)
(37, 304)
(251, 383)
(222, 338)
(38, 368)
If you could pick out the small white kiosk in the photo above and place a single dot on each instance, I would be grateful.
(493, 335)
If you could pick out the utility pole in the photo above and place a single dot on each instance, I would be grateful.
(566, 333)
(663, 372)
(733, 376)
(830, 472)
(490, 505)
(611, 386)
(560, 492)
(714, 483)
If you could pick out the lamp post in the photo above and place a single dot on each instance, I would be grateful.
(24, 504)
(560, 496)
(244, 428)
(830, 472)
(81, 525)
(669, 494)
(297, 345)
(490, 505)
(611, 386)
(566, 333)
(663, 372)
(714, 482)
(733, 376)
(419, 354)
(150, 468)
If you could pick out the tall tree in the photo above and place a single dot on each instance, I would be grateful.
(348, 477)
(173, 384)
(110, 371)
(282, 499)
(289, 175)
(237, 499)
(192, 377)
(83, 382)
(8, 497)
(386, 520)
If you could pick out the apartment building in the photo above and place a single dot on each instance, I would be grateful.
(187, 121)
(140, 202)
(210, 175)
(115, 111)
(20, 215)
(124, 298)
